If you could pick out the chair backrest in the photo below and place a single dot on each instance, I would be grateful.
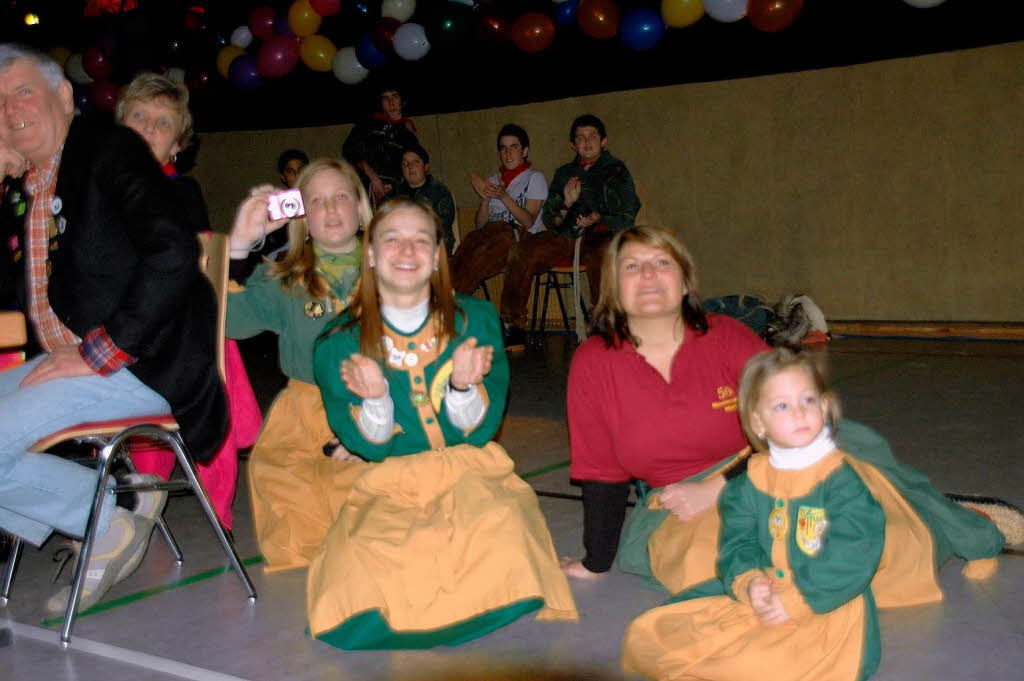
(456, 229)
(642, 217)
(214, 259)
(12, 330)
(467, 220)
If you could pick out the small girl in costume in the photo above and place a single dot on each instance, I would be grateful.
(801, 540)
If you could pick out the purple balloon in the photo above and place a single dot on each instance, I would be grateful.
(281, 26)
(368, 55)
(245, 73)
(83, 102)
(565, 12)
(641, 28)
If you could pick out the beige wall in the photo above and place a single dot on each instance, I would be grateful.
(890, 190)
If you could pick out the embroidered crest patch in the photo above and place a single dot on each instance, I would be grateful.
(811, 526)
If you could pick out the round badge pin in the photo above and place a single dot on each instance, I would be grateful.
(56, 205)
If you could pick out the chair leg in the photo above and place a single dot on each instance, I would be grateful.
(229, 547)
(561, 303)
(483, 287)
(105, 457)
(534, 340)
(548, 281)
(12, 565)
(160, 523)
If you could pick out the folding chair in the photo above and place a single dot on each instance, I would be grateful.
(111, 437)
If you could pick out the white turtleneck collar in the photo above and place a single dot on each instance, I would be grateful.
(406, 319)
(796, 458)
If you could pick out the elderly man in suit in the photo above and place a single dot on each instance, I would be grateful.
(116, 300)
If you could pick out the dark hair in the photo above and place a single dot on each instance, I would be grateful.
(609, 319)
(584, 121)
(419, 151)
(513, 130)
(291, 155)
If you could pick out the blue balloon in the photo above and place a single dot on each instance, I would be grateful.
(244, 72)
(565, 12)
(641, 28)
(368, 55)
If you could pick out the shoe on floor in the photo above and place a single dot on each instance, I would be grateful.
(515, 339)
(115, 555)
(149, 505)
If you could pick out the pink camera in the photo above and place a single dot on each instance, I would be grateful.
(285, 204)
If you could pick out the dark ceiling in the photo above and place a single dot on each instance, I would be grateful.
(480, 71)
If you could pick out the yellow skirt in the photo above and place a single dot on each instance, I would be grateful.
(719, 638)
(684, 554)
(296, 491)
(433, 543)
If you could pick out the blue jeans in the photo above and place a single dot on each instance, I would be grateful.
(40, 493)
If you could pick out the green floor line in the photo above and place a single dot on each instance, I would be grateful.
(546, 469)
(153, 591)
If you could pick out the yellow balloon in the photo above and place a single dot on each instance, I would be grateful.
(60, 54)
(225, 57)
(303, 19)
(318, 53)
(679, 13)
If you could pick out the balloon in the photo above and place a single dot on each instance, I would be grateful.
(220, 41)
(318, 53)
(97, 64)
(278, 56)
(198, 79)
(60, 55)
(383, 34)
(411, 42)
(74, 70)
(369, 56)
(598, 18)
(225, 57)
(923, 4)
(773, 15)
(83, 103)
(241, 37)
(302, 19)
(726, 10)
(104, 95)
(565, 13)
(493, 28)
(451, 27)
(325, 8)
(642, 28)
(261, 22)
(398, 9)
(175, 74)
(680, 13)
(281, 26)
(533, 32)
(347, 68)
(245, 73)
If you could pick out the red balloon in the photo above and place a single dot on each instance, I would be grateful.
(493, 28)
(198, 79)
(96, 63)
(773, 15)
(325, 8)
(278, 56)
(104, 95)
(533, 32)
(598, 18)
(383, 34)
(261, 22)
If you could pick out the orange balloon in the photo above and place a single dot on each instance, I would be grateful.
(60, 54)
(598, 18)
(533, 32)
(680, 13)
(773, 15)
(303, 19)
(224, 58)
(318, 52)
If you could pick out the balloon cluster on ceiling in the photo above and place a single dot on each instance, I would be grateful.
(271, 43)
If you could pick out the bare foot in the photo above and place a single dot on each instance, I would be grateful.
(573, 567)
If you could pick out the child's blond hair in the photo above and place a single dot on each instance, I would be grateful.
(765, 365)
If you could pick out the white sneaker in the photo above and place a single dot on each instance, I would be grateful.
(149, 505)
(115, 555)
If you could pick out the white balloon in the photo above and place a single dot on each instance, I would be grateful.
(411, 42)
(175, 74)
(924, 3)
(726, 10)
(347, 68)
(241, 37)
(75, 71)
(399, 9)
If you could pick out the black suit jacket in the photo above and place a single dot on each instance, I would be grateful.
(128, 261)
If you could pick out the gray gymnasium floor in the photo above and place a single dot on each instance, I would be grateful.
(949, 408)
